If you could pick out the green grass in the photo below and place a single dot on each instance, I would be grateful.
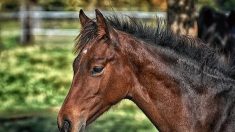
(34, 81)
(125, 117)
(34, 77)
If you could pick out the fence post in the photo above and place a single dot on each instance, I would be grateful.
(26, 22)
(1, 42)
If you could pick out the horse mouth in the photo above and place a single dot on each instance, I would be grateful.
(79, 127)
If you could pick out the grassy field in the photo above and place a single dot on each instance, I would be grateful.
(34, 81)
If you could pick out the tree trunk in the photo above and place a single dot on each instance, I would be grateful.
(181, 17)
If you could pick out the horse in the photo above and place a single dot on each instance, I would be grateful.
(218, 30)
(177, 81)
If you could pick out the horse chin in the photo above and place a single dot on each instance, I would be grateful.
(96, 114)
(81, 127)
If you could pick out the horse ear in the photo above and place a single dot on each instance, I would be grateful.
(103, 28)
(83, 18)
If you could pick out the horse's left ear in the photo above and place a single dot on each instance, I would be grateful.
(103, 29)
(83, 18)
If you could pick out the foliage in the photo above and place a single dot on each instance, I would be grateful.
(14, 5)
(218, 4)
(9, 5)
(226, 4)
(211, 3)
(53, 4)
(142, 5)
(148, 5)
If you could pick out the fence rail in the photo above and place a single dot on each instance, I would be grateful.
(38, 16)
(75, 15)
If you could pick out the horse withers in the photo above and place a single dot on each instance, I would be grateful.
(178, 82)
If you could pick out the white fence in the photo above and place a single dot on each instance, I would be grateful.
(75, 15)
(38, 16)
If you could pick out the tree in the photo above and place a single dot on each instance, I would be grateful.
(181, 16)
(139, 5)
(9, 5)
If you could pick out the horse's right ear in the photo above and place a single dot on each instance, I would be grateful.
(83, 18)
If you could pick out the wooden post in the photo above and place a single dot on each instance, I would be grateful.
(1, 42)
(181, 17)
(26, 22)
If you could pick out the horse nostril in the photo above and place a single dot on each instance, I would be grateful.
(66, 126)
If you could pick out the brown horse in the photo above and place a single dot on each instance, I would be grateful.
(176, 81)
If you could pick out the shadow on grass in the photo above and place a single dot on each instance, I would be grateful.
(28, 124)
(47, 124)
(122, 118)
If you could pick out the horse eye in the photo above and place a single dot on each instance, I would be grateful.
(96, 70)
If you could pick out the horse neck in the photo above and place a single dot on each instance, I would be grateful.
(156, 91)
(164, 96)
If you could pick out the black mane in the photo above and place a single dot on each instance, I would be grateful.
(159, 35)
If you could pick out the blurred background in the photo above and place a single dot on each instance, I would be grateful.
(36, 44)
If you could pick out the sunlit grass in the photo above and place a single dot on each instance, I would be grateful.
(124, 117)
(35, 76)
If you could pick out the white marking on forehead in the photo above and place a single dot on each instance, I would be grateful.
(84, 51)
